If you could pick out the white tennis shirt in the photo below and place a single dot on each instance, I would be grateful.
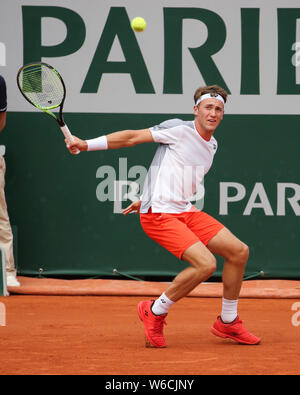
(178, 167)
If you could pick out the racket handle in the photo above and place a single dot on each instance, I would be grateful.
(68, 136)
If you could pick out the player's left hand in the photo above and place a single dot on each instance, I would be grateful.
(133, 208)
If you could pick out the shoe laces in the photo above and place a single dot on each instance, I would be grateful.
(239, 329)
(159, 323)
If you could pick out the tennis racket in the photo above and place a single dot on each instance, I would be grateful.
(44, 88)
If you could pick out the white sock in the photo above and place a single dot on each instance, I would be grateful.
(229, 310)
(162, 305)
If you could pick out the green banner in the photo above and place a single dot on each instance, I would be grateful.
(69, 220)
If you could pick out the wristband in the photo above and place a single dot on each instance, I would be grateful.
(99, 143)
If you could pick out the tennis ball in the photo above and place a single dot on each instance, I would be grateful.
(138, 24)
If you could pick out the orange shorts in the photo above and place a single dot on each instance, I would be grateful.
(177, 232)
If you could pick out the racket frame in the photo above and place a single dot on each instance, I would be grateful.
(64, 128)
(59, 120)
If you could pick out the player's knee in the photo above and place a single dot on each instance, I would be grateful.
(208, 266)
(241, 254)
(244, 252)
(211, 268)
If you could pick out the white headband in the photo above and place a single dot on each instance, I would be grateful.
(210, 96)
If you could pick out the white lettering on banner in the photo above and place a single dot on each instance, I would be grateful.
(225, 198)
(294, 200)
(259, 193)
(215, 43)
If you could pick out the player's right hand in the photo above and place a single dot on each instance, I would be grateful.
(76, 144)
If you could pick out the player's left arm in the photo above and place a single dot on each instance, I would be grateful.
(134, 207)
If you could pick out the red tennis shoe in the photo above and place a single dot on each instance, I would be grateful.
(235, 330)
(153, 325)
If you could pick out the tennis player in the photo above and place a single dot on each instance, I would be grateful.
(184, 156)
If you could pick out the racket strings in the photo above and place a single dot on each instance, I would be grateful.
(42, 86)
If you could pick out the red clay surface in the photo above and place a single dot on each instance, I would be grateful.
(103, 335)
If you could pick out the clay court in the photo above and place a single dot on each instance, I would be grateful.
(61, 334)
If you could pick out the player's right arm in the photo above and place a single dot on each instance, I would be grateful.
(129, 138)
(125, 138)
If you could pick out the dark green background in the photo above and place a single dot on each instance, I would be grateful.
(63, 228)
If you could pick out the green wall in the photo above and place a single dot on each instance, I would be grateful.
(65, 230)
